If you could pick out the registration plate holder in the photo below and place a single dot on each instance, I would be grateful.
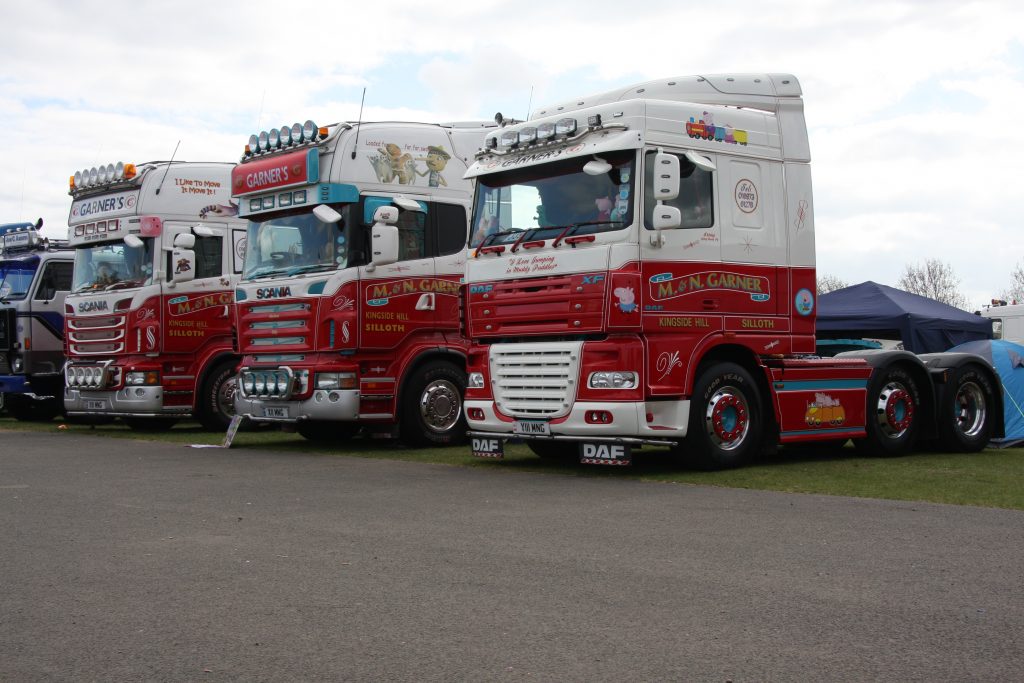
(275, 411)
(531, 427)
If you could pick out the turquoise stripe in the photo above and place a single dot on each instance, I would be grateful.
(821, 385)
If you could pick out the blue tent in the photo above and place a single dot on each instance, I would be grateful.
(1008, 360)
(873, 310)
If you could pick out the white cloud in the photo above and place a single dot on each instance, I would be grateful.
(911, 105)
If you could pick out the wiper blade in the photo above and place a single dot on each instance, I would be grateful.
(268, 272)
(311, 268)
(500, 233)
(571, 228)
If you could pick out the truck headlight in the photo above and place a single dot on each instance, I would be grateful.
(475, 380)
(139, 378)
(617, 379)
(335, 380)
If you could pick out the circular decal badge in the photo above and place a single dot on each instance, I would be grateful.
(745, 195)
(804, 302)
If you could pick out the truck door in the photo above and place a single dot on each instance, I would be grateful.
(451, 232)
(46, 327)
(681, 299)
(197, 313)
(399, 300)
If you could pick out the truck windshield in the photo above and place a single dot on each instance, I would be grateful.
(551, 198)
(296, 242)
(113, 265)
(15, 279)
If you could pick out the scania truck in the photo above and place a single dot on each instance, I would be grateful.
(35, 276)
(158, 249)
(643, 273)
(348, 307)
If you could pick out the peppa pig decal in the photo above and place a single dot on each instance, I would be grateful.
(804, 302)
(627, 299)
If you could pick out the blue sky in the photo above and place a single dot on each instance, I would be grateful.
(912, 106)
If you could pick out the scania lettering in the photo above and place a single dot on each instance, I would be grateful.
(643, 273)
(158, 250)
(35, 276)
(348, 308)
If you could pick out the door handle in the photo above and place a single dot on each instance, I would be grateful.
(426, 302)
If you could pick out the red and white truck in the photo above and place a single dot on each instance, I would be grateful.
(348, 306)
(158, 249)
(644, 274)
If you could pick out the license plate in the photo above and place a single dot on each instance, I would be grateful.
(484, 447)
(605, 454)
(531, 427)
(95, 405)
(275, 412)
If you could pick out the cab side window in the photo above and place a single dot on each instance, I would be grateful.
(56, 277)
(451, 223)
(412, 235)
(695, 200)
(209, 257)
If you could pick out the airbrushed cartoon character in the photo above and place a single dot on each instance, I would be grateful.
(391, 164)
(219, 210)
(436, 159)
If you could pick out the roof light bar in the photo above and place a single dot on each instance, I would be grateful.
(99, 176)
(284, 137)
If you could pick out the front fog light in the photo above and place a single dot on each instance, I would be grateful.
(612, 380)
(17, 364)
(475, 380)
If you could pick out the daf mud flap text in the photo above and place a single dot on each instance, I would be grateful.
(589, 453)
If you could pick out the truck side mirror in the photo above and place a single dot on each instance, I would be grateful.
(666, 176)
(183, 264)
(666, 217)
(384, 237)
(184, 240)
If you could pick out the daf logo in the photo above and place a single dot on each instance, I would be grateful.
(90, 306)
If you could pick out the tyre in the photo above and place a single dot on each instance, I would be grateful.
(726, 422)
(33, 410)
(893, 416)
(149, 424)
(326, 431)
(430, 412)
(217, 397)
(965, 410)
(553, 450)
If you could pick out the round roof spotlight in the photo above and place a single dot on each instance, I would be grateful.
(110, 173)
(274, 138)
(78, 179)
(297, 133)
(94, 175)
(309, 131)
(119, 171)
(264, 141)
(286, 136)
(254, 144)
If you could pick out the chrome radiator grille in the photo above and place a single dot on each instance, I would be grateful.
(535, 380)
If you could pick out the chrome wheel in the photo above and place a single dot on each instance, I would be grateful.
(895, 410)
(440, 405)
(971, 410)
(727, 418)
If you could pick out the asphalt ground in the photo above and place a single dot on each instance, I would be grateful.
(129, 560)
